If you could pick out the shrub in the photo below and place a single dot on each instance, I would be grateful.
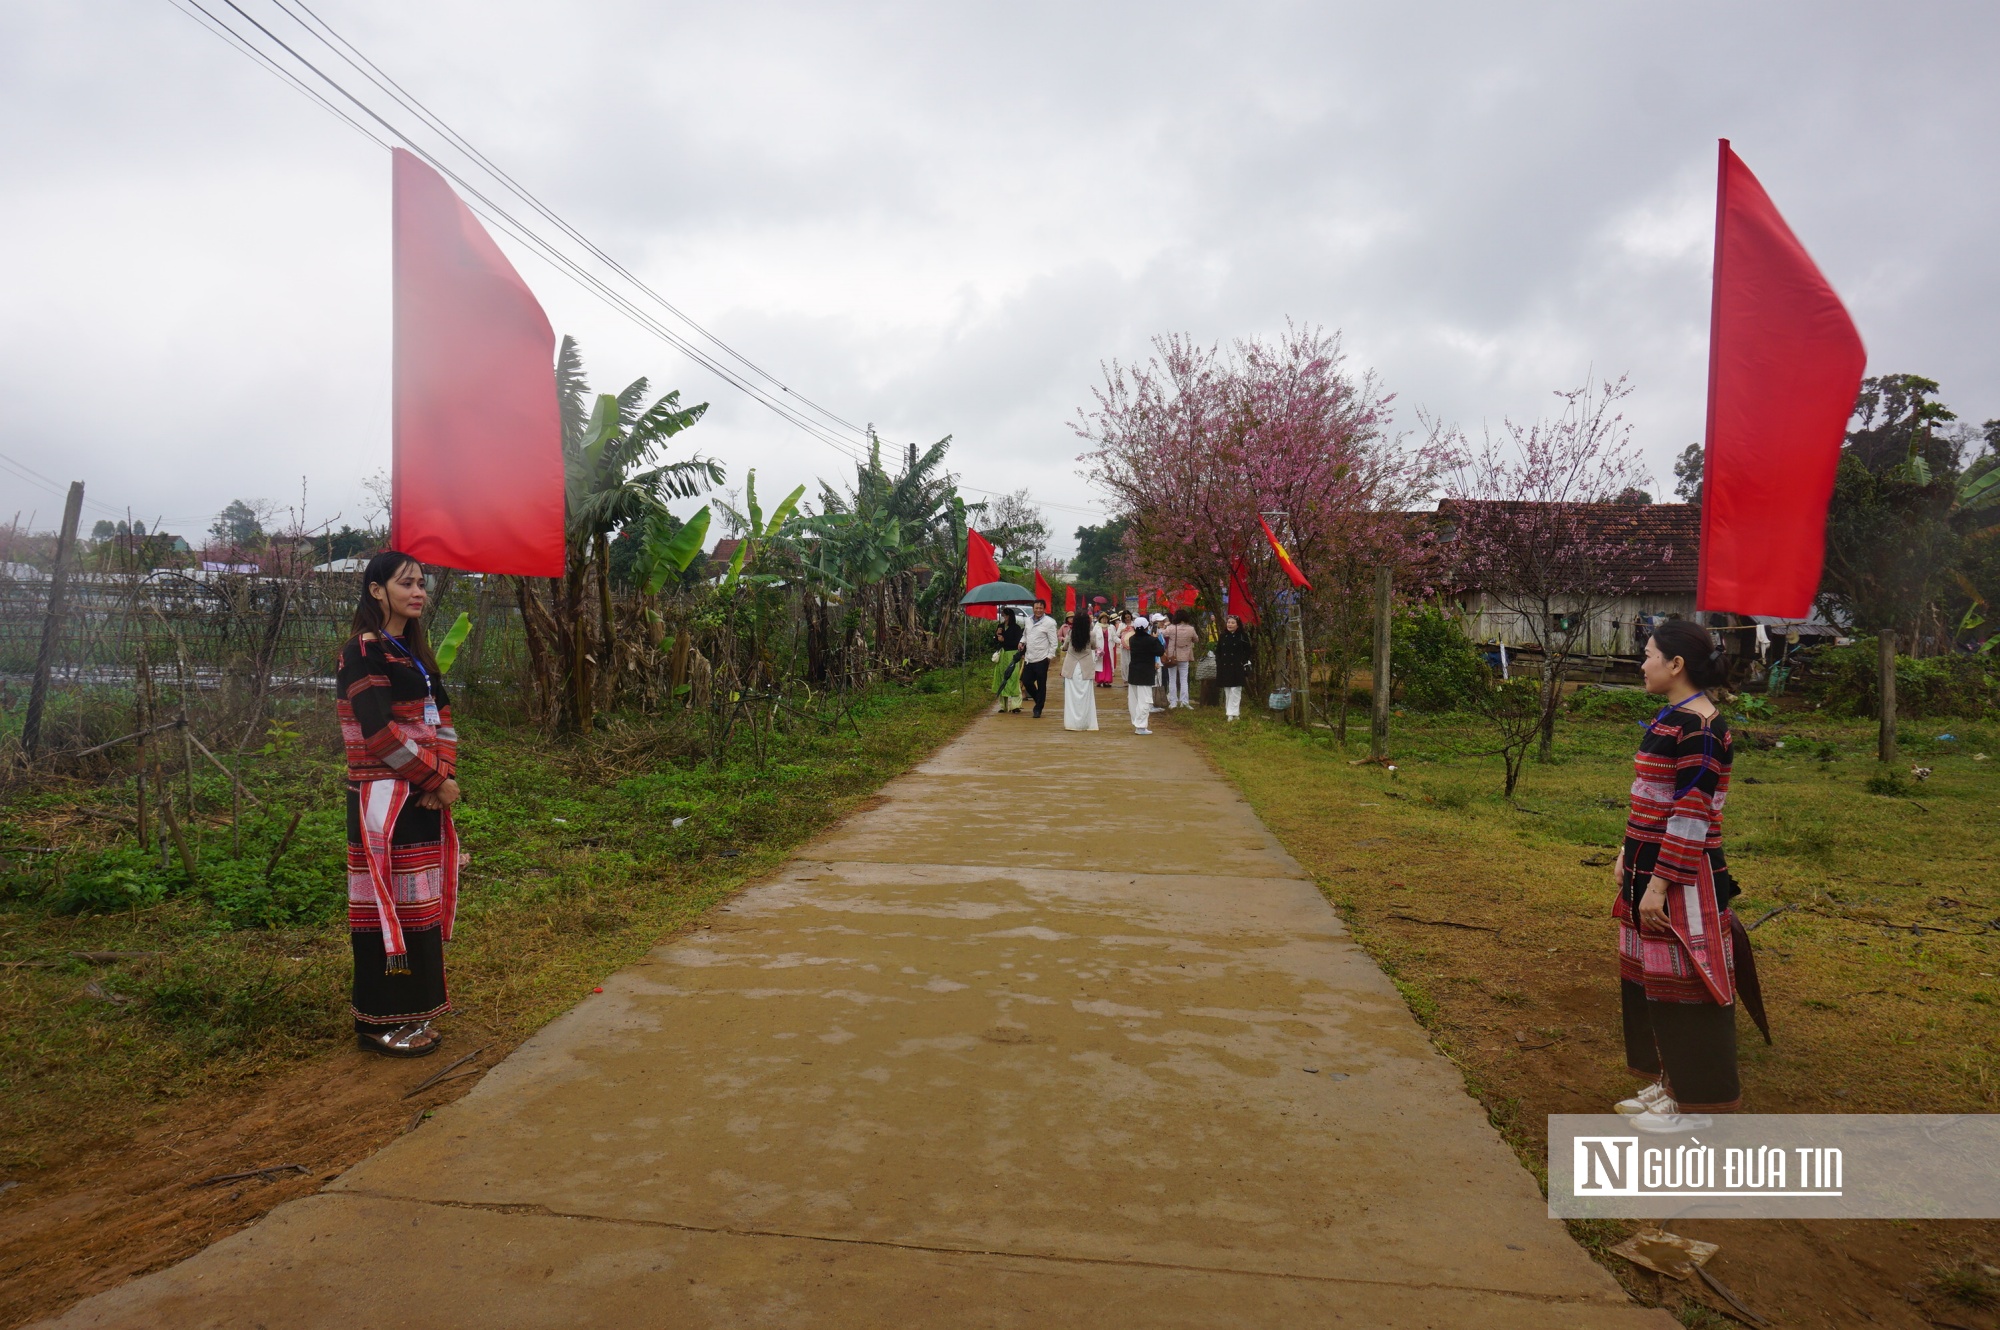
(1615, 704)
(122, 878)
(1433, 662)
(1845, 681)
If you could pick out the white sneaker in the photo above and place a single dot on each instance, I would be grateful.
(1667, 1119)
(1645, 1101)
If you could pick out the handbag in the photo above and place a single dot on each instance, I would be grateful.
(1205, 668)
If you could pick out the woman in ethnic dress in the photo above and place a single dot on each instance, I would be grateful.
(1682, 954)
(1007, 661)
(402, 850)
(1234, 652)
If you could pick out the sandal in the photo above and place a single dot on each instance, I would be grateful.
(405, 1041)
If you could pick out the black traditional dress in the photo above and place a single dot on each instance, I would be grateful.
(1679, 985)
(1234, 652)
(402, 858)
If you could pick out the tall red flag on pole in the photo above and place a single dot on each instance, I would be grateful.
(1238, 601)
(981, 567)
(1784, 364)
(478, 467)
(1284, 559)
(1069, 598)
(1043, 591)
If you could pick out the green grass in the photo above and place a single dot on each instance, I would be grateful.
(577, 869)
(1868, 1014)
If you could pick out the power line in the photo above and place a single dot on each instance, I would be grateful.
(822, 424)
(381, 79)
(526, 235)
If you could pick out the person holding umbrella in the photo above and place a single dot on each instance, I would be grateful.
(1007, 661)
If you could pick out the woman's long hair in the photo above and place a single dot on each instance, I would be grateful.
(1079, 631)
(370, 615)
(1700, 651)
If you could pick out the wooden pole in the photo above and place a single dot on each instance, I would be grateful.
(1301, 667)
(1378, 736)
(31, 728)
(1885, 744)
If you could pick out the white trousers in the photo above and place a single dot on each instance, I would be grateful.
(1177, 686)
(1139, 696)
(1232, 702)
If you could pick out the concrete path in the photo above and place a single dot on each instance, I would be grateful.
(1055, 1034)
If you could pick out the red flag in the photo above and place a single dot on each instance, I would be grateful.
(478, 480)
(981, 567)
(1069, 598)
(1284, 559)
(1189, 597)
(1784, 364)
(1238, 601)
(1142, 602)
(1043, 591)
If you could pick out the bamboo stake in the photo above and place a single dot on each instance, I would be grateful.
(180, 841)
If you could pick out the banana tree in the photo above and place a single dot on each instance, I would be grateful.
(610, 481)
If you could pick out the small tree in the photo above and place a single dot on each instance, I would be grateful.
(1512, 710)
(1526, 534)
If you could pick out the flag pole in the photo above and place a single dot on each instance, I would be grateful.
(1714, 354)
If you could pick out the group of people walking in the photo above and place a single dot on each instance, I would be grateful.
(1684, 958)
(1100, 650)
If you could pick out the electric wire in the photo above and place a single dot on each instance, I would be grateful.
(381, 79)
(503, 219)
(523, 233)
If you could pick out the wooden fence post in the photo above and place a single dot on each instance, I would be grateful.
(31, 729)
(1378, 740)
(1885, 743)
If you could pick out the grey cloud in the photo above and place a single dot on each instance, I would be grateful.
(942, 218)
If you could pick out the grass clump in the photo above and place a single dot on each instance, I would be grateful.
(577, 868)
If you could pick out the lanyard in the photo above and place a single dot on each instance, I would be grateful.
(413, 660)
(430, 697)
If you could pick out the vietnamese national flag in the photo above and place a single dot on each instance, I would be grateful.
(1069, 598)
(478, 465)
(981, 567)
(1238, 601)
(1284, 559)
(1784, 364)
(1043, 591)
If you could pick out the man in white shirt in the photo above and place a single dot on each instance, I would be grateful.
(1039, 647)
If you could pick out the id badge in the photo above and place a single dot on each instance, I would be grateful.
(430, 712)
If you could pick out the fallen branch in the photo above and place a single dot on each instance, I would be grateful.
(251, 1173)
(1446, 923)
(1722, 1291)
(284, 843)
(113, 743)
(1767, 917)
(433, 1079)
(223, 769)
(108, 817)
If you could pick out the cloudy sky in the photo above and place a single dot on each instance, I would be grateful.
(942, 218)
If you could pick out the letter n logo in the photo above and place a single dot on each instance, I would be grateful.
(1604, 1166)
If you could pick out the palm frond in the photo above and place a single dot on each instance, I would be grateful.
(572, 392)
(630, 401)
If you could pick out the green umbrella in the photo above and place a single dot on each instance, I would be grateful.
(998, 593)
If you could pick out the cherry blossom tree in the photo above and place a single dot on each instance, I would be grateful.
(1195, 443)
(1532, 518)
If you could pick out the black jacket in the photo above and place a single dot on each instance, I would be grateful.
(1142, 651)
(1010, 636)
(1233, 654)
